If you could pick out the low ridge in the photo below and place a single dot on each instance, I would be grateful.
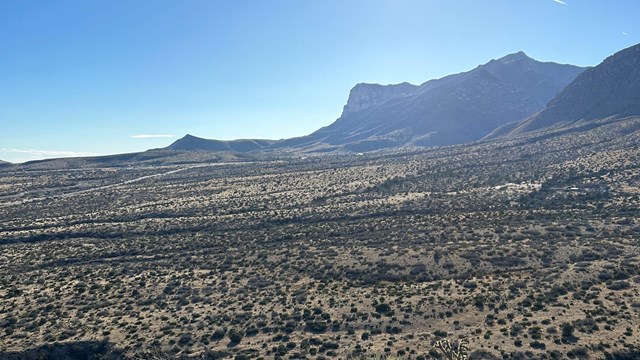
(190, 142)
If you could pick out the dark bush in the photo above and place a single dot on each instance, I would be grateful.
(383, 308)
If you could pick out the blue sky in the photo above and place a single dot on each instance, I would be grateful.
(85, 77)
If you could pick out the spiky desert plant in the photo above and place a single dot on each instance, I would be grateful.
(456, 351)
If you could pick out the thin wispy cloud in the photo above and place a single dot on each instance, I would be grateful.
(49, 153)
(17, 156)
(151, 136)
(624, 33)
(560, 2)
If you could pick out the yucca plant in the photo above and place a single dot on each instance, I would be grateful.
(455, 351)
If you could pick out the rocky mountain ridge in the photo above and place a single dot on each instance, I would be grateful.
(611, 89)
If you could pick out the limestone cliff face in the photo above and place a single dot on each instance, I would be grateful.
(363, 95)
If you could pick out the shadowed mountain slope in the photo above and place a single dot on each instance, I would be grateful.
(611, 89)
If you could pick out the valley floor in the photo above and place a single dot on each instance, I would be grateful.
(526, 248)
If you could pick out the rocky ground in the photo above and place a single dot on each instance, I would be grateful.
(525, 248)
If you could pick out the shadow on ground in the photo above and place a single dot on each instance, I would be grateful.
(83, 350)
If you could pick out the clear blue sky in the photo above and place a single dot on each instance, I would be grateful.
(83, 77)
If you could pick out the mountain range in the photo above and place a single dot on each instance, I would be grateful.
(455, 109)
(511, 97)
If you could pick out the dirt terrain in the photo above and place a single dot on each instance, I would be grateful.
(527, 248)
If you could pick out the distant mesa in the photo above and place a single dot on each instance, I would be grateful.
(190, 142)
